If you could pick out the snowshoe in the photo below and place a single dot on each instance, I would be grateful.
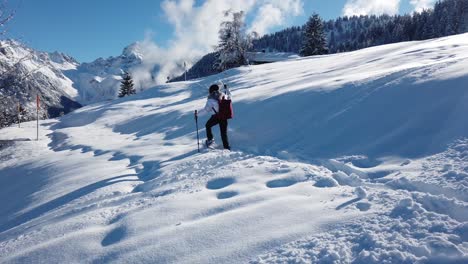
(210, 144)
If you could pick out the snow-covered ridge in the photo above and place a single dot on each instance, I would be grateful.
(357, 157)
(268, 57)
(26, 73)
(63, 61)
(15, 54)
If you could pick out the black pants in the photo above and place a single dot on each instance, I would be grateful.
(223, 124)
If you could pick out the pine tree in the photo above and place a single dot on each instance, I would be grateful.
(21, 113)
(332, 40)
(464, 15)
(233, 42)
(315, 42)
(126, 85)
(427, 25)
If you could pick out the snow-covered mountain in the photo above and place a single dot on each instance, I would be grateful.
(62, 61)
(26, 73)
(62, 83)
(358, 157)
(100, 80)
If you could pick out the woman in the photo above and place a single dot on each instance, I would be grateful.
(212, 107)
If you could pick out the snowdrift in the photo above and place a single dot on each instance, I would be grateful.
(358, 156)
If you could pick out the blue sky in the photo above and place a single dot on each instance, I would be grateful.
(88, 29)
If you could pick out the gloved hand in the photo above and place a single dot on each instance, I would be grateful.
(196, 114)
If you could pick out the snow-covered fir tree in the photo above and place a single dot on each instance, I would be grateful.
(21, 113)
(464, 19)
(234, 42)
(126, 85)
(314, 42)
(6, 117)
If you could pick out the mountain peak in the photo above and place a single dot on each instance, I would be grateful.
(59, 57)
(133, 51)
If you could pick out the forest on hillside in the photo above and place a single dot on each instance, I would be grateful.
(343, 34)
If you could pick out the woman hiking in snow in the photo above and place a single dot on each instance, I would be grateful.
(218, 115)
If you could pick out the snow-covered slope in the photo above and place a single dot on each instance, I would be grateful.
(357, 157)
(268, 57)
(26, 73)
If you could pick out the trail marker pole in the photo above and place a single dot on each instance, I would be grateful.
(196, 123)
(37, 115)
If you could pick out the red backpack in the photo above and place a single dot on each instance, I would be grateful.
(225, 109)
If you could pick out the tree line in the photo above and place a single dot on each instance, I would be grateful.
(343, 34)
(447, 17)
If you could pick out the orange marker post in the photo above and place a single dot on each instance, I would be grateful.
(37, 114)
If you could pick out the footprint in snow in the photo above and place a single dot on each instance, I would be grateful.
(114, 236)
(226, 195)
(219, 183)
(325, 182)
(363, 206)
(281, 183)
(366, 162)
(406, 162)
(379, 174)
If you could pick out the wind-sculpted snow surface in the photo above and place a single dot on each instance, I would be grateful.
(410, 226)
(356, 157)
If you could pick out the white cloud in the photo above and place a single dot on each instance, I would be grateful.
(196, 31)
(274, 13)
(368, 7)
(419, 5)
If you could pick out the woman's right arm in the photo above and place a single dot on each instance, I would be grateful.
(205, 109)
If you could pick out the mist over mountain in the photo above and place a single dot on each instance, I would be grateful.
(100, 80)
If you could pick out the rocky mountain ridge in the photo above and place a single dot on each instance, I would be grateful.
(27, 73)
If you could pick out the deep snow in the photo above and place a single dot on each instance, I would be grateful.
(349, 157)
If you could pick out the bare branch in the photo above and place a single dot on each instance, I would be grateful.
(6, 15)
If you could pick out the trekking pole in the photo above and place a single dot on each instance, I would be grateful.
(198, 138)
